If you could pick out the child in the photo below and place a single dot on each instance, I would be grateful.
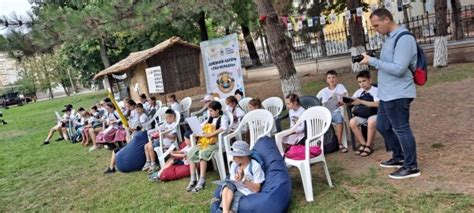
(245, 170)
(144, 101)
(153, 107)
(366, 91)
(173, 103)
(234, 108)
(295, 111)
(334, 88)
(206, 146)
(177, 158)
(154, 134)
(238, 94)
(254, 104)
(114, 131)
(206, 100)
(60, 127)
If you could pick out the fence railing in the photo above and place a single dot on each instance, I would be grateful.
(312, 45)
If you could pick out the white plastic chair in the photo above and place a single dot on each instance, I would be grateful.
(218, 158)
(159, 104)
(158, 117)
(161, 152)
(185, 105)
(244, 103)
(259, 122)
(275, 106)
(317, 121)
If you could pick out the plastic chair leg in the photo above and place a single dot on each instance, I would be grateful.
(305, 171)
(326, 171)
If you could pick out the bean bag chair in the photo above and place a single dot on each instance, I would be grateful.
(176, 172)
(275, 194)
(132, 157)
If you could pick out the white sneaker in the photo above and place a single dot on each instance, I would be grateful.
(146, 166)
(92, 148)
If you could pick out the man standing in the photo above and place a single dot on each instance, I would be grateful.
(396, 91)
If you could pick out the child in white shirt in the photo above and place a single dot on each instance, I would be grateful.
(244, 170)
(234, 108)
(295, 110)
(153, 135)
(334, 89)
(173, 103)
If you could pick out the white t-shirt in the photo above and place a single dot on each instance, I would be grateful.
(238, 114)
(257, 177)
(165, 127)
(326, 93)
(223, 124)
(134, 119)
(294, 116)
(146, 106)
(143, 119)
(372, 91)
(175, 106)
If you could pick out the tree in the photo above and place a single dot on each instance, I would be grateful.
(456, 19)
(279, 49)
(246, 17)
(441, 39)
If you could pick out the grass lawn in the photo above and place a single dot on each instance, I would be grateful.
(66, 177)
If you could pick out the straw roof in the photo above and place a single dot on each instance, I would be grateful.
(138, 57)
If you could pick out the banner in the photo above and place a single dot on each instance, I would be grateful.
(222, 66)
(155, 80)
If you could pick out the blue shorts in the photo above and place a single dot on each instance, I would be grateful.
(337, 117)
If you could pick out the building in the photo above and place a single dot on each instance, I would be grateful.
(179, 62)
(8, 70)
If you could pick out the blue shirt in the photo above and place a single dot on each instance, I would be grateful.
(395, 80)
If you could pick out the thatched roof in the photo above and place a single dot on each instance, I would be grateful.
(138, 57)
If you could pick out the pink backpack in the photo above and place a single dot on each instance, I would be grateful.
(296, 152)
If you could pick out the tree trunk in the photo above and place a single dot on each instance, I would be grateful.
(357, 37)
(441, 40)
(456, 19)
(73, 86)
(202, 26)
(47, 77)
(103, 53)
(250, 45)
(279, 49)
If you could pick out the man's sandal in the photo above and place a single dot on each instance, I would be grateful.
(343, 148)
(360, 149)
(366, 152)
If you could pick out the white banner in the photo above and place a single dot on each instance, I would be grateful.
(155, 80)
(221, 61)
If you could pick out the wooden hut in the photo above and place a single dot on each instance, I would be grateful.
(180, 63)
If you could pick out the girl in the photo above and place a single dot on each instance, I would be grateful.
(238, 94)
(254, 104)
(173, 103)
(114, 132)
(234, 108)
(295, 111)
(207, 146)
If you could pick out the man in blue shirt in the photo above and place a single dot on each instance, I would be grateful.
(396, 90)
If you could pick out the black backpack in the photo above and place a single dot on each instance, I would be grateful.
(364, 111)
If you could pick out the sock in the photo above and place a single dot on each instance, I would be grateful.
(202, 180)
(153, 163)
(193, 177)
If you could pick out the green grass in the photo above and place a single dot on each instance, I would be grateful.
(66, 177)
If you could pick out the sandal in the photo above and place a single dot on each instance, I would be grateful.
(199, 187)
(360, 149)
(366, 152)
(343, 148)
(191, 186)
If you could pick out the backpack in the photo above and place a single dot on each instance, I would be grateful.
(364, 111)
(330, 141)
(420, 74)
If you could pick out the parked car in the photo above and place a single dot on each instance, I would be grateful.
(11, 98)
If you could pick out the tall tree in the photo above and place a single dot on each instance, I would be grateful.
(279, 49)
(441, 39)
(456, 19)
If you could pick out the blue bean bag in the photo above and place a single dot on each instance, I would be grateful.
(275, 194)
(132, 157)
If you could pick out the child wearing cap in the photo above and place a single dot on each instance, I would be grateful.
(245, 170)
(60, 127)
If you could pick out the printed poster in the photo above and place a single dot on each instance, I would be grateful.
(222, 66)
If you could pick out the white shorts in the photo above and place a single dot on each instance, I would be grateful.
(364, 121)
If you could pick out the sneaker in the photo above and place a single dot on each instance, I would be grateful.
(404, 172)
(59, 139)
(199, 187)
(146, 166)
(92, 148)
(109, 170)
(45, 143)
(392, 163)
(190, 186)
(154, 177)
(153, 168)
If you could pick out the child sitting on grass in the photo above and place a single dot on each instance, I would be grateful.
(154, 141)
(244, 170)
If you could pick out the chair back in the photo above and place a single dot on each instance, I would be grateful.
(159, 104)
(159, 116)
(185, 105)
(244, 103)
(274, 105)
(309, 101)
(317, 120)
(259, 122)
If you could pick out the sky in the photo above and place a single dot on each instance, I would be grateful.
(10, 7)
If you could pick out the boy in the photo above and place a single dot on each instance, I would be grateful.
(334, 89)
(60, 127)
(244, 170)
(154, 134)
(361, 99)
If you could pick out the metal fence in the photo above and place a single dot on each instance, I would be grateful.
(315, 45)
